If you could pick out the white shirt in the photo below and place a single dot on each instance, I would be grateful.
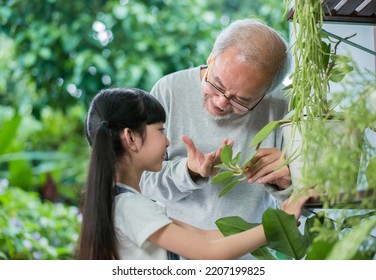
(136, 218)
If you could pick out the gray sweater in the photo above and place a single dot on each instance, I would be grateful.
(198, 203)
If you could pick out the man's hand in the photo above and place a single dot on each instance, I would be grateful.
(200, 164)
(265, 167)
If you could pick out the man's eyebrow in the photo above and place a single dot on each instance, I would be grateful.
(245, 99)
(222, 87)
(219, 81)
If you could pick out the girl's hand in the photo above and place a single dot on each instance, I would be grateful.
(200, 164)
(295, 203)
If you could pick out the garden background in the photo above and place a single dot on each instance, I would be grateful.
(54, 57)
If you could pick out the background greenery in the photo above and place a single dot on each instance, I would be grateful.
(54, 57)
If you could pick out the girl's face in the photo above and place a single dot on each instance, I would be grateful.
(154, 147)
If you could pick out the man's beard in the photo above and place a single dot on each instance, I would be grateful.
(206, 98)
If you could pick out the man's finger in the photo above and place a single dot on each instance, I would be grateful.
(191, 148)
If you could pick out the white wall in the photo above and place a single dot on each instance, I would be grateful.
(365, 36)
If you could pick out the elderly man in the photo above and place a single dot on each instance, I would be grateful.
(232, 97)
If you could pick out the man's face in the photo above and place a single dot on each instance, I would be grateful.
(231, 86)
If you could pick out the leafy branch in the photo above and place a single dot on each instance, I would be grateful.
(232, 171)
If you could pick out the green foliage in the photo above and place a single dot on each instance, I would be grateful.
(282, 233)
(232, 173)
(31, 229)
(371, 172)
(323, 237)
(55, 56)
(60, 54)
(316, 63)
(338, 173)
(233, 225)
(53, 148)
(264, 132)
(347, 248)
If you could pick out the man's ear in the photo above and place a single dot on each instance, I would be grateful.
(129, 139)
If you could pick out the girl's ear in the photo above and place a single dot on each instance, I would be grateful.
(129, 139)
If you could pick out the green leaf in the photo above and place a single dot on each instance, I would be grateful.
(249, 159)
(226, 154)
(233, 224)
(222, 166)
(236, 159)
(310, 223)
(228, 187)
(8, 132)
(347, 247)
(282, 233)
(320, 249)
(326, 50)
(288, 117)
(263, 133)
(341, 59)
(222, 177)
(288, 87)
(371, 172)
(21, 174)
(263, 253)
(339, 73)
(282, 256)
(354, 220)
(320, 219)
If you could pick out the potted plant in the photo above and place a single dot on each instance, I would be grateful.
(317, 63)
(344, 233)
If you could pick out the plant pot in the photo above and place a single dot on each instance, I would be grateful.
(329, 157)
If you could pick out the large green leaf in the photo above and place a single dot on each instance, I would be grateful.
(233, 225)
(8, 132)
(263, 253)
(282, 233)
(320, 249)
(264, 132)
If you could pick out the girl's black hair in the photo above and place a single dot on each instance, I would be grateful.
(110, 112)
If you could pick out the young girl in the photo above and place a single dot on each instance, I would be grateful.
(125, 131)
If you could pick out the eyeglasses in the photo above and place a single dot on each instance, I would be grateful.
(235, 103)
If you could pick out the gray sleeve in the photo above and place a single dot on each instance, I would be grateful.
(173, 182)
(279, 194)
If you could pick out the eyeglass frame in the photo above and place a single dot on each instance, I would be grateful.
(232, 101)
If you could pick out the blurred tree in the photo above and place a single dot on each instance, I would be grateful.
(67, 52)
(55, 55)
(64, 53)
